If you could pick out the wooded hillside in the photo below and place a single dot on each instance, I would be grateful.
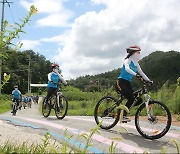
(159, 66)
(17, 65)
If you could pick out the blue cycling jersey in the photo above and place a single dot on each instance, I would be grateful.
(53, 83)
(125, 75)
(25, 99)
(16, 94)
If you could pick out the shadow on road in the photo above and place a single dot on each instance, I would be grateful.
(141, 141)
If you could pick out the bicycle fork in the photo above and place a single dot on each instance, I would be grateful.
(58, 98)
(148, 107)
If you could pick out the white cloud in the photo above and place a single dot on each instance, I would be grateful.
(97, 41)
(55, 13)
(45, 6)
(28, 44)
(55, 20)
(34, 44)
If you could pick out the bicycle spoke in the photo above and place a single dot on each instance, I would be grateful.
(156, 124)
(106, 112)
(46, 108)
(61, 108)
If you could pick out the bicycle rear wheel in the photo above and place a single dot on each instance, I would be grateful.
(155, 126)
(14, 108)
(61, 109)
(46, 108)
(106, 112)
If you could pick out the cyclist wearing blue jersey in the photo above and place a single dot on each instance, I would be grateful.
(16, 95)
(53, 78)
(130, 68)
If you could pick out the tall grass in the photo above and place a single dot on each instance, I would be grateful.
(48, 146)
(170, 95)
(5, 103)
(83, 103)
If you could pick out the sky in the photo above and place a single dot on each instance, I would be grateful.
(88, 37)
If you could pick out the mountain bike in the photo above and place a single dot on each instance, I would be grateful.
(58, 102)
(152, 118)
(14, 107)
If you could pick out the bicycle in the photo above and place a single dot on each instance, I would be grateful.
(58, 102)
(14, 107)
(152, 118)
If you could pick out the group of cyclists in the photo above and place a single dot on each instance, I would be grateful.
(130, 68)
(22, 100)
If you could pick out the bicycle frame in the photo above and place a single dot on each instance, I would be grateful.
(58, 94)
(152, 118)
(141, 92)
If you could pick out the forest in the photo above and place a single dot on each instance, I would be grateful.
(18, 63)
(159, 66)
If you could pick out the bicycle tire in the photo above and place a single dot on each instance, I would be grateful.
(14, 108)
(46, 108)
(106, 114)
(61, 111)
(151, 129)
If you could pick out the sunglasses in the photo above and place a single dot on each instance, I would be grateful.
(138, 52)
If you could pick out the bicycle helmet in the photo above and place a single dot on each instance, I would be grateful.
(15, 86)
(54, 66)
(133, 48)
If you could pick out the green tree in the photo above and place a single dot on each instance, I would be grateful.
(8, 35)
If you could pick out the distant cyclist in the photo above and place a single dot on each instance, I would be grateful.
(16, 95)
(130, 68)
(53, 78)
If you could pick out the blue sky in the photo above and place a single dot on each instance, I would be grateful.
(90, 36)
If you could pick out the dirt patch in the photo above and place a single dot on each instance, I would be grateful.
(175, 122)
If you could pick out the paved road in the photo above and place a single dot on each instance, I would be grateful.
(126, 141)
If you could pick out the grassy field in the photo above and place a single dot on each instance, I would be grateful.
(5, 103)
(83, 103)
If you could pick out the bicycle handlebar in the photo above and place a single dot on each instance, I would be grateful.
(145, 83)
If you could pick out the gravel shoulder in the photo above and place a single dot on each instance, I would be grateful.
(18, 134)
(15, 134)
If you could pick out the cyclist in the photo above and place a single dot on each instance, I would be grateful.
(25, 101)
(53, 78)
(16, 95)
(130, 68)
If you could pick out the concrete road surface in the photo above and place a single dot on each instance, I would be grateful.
(125, 138)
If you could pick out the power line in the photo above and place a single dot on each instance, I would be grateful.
(11, 11)
(2, 28)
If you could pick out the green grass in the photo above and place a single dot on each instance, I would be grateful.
(81, 107)
(5, 103)
(48, 146)
(83, 103)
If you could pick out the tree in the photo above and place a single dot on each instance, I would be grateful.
(8, 35)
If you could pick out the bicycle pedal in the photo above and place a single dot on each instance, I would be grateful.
(124, 121)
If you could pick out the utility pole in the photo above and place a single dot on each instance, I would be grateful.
(2, 28)
(2, 24)
(29, 80)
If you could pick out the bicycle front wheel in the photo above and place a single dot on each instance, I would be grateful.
(106, 112)
(46, 108)
(157, 124)
(61, 108)
(14, 108)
